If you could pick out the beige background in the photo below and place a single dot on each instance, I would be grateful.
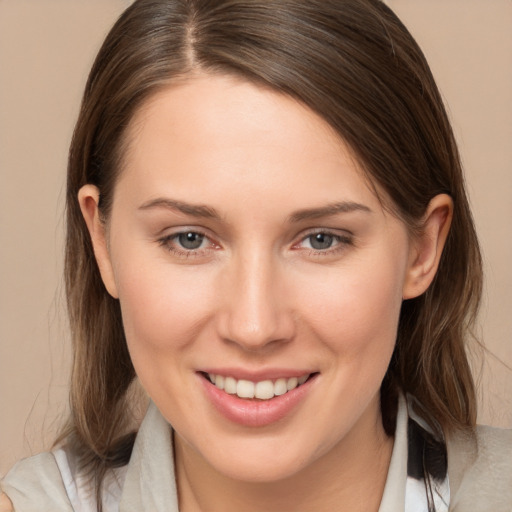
(46, 48)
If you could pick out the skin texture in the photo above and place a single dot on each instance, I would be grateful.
(5, 503)
(257, 295)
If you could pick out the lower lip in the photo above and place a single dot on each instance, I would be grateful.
(253, 412)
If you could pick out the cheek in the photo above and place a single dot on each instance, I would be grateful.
(163, 306)
(355, 310)
(164, 310)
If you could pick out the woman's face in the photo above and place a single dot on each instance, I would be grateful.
(246, 247)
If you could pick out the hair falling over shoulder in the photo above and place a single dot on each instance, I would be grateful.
(354, 64)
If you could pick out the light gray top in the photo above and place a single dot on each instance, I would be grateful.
(479, 468)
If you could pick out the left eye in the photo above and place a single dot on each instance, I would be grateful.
(190, 240)
(322, 241)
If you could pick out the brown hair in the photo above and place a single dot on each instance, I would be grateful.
(357, 66)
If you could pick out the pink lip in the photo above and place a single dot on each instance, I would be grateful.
(255, 413)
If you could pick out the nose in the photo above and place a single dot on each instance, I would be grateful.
(256, 309)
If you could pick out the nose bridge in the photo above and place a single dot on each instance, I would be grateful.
(256, 312)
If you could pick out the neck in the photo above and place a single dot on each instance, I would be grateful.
(350, 477)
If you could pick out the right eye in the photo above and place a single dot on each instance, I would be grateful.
(190, 240)
(187, 243)
(322, 241)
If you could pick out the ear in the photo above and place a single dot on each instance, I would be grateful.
(88, 198)
(427, 247)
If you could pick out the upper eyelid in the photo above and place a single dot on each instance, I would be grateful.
(343, 239)
(183, 228)
(168, 233)
(330, 230)
(339, 233)
(166, 240)
(171, 236)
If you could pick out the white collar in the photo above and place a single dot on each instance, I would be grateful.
(393, 498)
(149, 483)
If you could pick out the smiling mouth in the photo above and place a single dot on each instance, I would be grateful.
(261, 390)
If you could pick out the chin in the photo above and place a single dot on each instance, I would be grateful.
(273, 469)
(262, 458)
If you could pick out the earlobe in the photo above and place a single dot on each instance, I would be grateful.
(427, 247)
(88, 198)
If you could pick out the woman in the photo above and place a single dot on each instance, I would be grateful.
(267, 225)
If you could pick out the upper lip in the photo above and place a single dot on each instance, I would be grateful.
(257, 375)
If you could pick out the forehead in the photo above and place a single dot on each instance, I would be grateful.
(213, 133)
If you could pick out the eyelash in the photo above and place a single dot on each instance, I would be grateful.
(342, 241)
(169, 242)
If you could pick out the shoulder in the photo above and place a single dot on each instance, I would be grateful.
(54, 481)
(35, 483)
(480, 470)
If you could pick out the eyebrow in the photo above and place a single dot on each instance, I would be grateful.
(196, 210)
(199, 210)
(328, 210)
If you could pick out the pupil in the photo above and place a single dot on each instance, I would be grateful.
(321, 241)
(190, 240)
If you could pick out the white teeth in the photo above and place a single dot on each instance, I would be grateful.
(244, 388)
(230, 385)
(219, 381)
(292, 383)
(280, 387)
(263, 390)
